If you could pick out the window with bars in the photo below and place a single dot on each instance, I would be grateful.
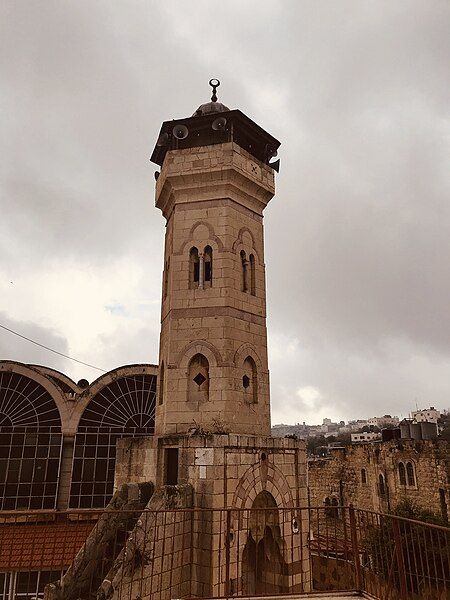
(124, 408)
(30, 444)
(26, 584)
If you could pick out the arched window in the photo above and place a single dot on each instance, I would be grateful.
(402, 473)
(250, 381)
(30, 444)
(125, 407)
(161, 384)
(334, 508)
(207, 257)
(244, 272)
(194, 268)
(363, 476)
(381, 485)
(410, 474)
(252, 276)
(198, 379)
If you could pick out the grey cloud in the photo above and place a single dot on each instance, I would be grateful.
(16, 348)
(357, 248)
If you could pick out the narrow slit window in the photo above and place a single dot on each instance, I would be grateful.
(244, 272)
(194, 268)
(252, 275)
(208, 254)
(402, 473)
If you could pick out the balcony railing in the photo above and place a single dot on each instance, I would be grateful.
(220, 553)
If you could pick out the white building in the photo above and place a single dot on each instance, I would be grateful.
(383, 421)
(365, 437)
(430, 415)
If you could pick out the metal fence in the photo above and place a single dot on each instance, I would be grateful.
(207, 553)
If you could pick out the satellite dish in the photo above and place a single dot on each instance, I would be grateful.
(219, 124)
(275, 165)
(180, 132)
(163, 139)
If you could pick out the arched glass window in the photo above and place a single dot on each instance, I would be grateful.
(123, 408)
(208, 259)
(402, 473)
(363, 476)
(30, 444)
(250, 381)
(194, 268)
(161, 384)
(198, 379)
(381, 485)
(410, 474)
(252, 276)
(244, 272)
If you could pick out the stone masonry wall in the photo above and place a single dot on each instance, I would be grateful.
(340, 476)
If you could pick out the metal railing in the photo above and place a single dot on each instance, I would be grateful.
(220, 553)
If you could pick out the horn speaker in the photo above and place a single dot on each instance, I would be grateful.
(219, 124)
(180, 132)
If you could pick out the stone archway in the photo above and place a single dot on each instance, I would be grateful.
(263, 565)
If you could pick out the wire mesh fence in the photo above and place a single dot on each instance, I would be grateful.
(220, 553)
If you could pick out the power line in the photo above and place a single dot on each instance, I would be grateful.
(51, 349)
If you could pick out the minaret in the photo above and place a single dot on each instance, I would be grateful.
(215, 181)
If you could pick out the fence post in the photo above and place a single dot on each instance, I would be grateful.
(399, 557)
(355, 548)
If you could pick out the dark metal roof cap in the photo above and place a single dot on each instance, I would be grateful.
(209, 108)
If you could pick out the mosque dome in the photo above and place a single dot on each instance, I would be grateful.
(209, 108)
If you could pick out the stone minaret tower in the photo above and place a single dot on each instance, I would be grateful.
(215, 181)
(212, 446)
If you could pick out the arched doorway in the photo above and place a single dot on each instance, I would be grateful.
(263, 566)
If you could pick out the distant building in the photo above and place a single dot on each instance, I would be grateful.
(384, 421)
(430, 415)
(364, 437)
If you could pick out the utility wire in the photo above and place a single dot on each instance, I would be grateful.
(51, 349)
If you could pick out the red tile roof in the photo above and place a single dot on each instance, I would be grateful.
(36, 546)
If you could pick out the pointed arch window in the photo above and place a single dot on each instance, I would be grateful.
(381, 485)
(208, 266)
(250, 381)
(402, 473)
(194, 268)
(198, 379)
(363, 476)
(410, 475)
(244, 272)
(252, 275)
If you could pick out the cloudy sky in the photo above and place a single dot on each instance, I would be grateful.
(357, 237)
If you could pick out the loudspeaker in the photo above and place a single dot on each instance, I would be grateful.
(219, 124)
(163, 139)
(180, 132)
(270, 152)
(275, 165)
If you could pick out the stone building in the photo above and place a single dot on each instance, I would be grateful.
(212, 449)
(379, 475)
